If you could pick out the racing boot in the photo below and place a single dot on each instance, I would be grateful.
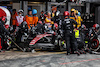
(2, 51)
(10, 47)
(77, 52)
(82, 51)
(88, 50)
(68, 53)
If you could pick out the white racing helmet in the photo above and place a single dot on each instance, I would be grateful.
(20, 11)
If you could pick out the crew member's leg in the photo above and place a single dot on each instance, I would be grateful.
(67, 40)
(74, 44)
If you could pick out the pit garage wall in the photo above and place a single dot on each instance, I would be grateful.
(16, 6)
(76, 6)
(97, 15)
(39, 7)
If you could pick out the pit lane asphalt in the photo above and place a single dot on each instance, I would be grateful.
(50, 59)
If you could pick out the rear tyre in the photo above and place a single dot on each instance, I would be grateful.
(95, 45)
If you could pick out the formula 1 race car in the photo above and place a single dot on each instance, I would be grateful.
(49, 40)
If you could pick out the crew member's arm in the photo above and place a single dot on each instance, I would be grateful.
(27, 20)
(36, 20)
(47, 21)
(75, 15)
(74, 22)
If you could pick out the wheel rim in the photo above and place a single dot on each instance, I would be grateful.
(94, 44)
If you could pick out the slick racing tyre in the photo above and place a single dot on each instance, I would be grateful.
(95, 45)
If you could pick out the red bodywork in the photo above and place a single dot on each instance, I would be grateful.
(2, 13)
(0, 44)
(56, 26)
(6, 26)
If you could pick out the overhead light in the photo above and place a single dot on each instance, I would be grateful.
(35, 2)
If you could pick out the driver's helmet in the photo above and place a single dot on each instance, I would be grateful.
(96, 26)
